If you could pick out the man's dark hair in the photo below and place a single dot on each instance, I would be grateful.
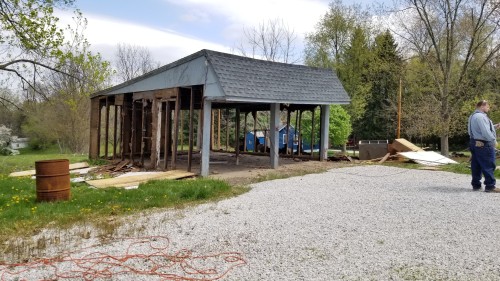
(481, 103)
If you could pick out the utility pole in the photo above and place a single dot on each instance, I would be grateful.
(399, 109)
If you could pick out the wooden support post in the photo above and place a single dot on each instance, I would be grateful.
(299, 146)
(176, 128)
(133, 138)
(199, 130)
(288, 116)
(212, 132)
(295, 131)
(115, 131)
(245, 133)
(274, 134)
(255, 131)
(312, 133)
(156, 134)
(106, 135)
(143, 130)
(205, 143)
(218, 130)
(95, 113)
(237, 136)
(191, 130)
(168, 131)
(324, 125)
(227, 129)
(122, 130)
(182, 129)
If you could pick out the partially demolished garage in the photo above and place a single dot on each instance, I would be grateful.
(139, 120)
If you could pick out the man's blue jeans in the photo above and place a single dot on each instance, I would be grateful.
(483, 162)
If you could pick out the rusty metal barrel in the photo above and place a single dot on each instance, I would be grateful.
(52, 180)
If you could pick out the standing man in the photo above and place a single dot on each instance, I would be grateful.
(483, 140)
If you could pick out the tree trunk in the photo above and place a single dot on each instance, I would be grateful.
(444, 144)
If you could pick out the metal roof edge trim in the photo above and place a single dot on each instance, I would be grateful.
(240, 99)
(152, 73)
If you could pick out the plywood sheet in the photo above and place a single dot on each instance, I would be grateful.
(402, 145)
(74, 166)
(137, 179)
(427, 158)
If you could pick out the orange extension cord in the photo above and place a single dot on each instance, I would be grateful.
(143, 257)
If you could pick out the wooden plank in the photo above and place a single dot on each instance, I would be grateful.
(138, 179)
(191, 130)
(237, 138)
(119, 99)
(384, 158)
(402, 145)
(149, 95)
(106, 135)
(94, 128)
(143, 130)
(75, 166)
(168, 131)
(115, 130)
(176, 129)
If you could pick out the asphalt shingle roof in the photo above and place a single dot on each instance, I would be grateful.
(242, 77)
(253, 80)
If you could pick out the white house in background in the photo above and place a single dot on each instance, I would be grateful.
(17, 143)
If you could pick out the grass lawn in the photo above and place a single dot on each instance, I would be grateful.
(26, 160)
(21, 215)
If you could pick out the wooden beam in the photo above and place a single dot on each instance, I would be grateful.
(245, 133)
(312, 133)
(218, 130)
(106, 135)
(115, 131)
(288, 117)
(191, 130)
(274, 135)
(133, 137)
(255, 130)
(324, 125)
(227, 129)
(168, 132)
(143, 130)
(95, 112)
(176, 128)
(212, 131)
(237, 136)
(299, 146)
(182, 130)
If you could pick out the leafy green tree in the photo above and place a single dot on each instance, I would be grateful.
(354, 72)
(30, 40)
(325, 46)
(380, 118)
(456, 40)
(339, 129)
(64, 116)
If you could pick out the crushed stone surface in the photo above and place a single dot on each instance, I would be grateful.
(357, 223)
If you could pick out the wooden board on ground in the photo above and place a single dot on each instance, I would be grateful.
(136, 180)
(28, 173)
(402, 145)
(384, 158)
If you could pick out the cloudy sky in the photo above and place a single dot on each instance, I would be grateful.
(172, 29)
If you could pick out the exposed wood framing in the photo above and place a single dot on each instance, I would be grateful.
(254, 114)
(94, 128)
(288, 117)
(176, 128)
(133, 137)
(227, 129)
(218, 130)
(312, 133)
(237, 136)
(106, 134)
(143, 130)
(115, 130)
(245, 133)
(191, 130)
(168, 132)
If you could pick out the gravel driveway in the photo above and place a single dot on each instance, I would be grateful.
(358, 223)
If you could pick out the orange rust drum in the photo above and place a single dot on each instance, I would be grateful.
(52, 180)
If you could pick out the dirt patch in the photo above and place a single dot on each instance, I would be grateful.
(256, 168)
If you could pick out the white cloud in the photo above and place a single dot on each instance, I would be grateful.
(300, 15)
(104, 33)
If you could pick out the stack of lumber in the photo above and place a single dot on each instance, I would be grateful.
(115, 168)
